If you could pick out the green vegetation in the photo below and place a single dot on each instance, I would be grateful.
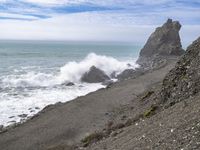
(92, 138)
(151, 111)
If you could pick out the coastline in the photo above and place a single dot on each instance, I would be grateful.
(72, 121)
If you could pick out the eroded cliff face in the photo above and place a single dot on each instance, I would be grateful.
(162, 43)
(184, 80)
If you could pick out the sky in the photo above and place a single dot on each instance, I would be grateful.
(96, 20)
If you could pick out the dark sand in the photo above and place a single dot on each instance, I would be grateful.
(175, 128)
(70, 122)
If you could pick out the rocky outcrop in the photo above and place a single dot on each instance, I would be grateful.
(94, 75)
(129, 73)
(164, 42)
(126, 74)
(183, 81)
(68, 84)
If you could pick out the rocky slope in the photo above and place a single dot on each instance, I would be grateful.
(146, 124)
(59, 127)
(184, 80)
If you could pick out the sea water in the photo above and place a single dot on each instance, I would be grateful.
(33, 74)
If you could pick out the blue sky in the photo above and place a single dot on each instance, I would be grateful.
(101, 20)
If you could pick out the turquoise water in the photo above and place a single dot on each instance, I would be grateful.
(33, 73)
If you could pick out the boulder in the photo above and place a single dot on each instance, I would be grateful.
(68, 84)
(183, 81)
(162, 43)
(94, 75)
(130, 73)
(126, 74)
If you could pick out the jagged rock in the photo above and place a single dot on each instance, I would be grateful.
(68, 84)
(164, 42)
(94, 75)
(129, 73)
(183, 81)
(126, 74)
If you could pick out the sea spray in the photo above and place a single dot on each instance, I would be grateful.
(73, 71)
(27, 90)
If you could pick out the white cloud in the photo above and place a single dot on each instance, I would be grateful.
(117, 25)
(119, 3)
(86, 26)
(72, 27)
(18, 16)
(48, 2)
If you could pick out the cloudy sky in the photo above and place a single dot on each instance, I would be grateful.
(96, 20)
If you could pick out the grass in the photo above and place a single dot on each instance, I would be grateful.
(150, 111)
(147, 94)
(92, 138)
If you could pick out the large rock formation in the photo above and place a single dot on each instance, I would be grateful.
(94, 75)
(164, 42)
(183, 81)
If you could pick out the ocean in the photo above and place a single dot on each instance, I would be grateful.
(33, 73)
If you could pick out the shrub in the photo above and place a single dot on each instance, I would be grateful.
(147, 94)
(151, 111)
(94, 137)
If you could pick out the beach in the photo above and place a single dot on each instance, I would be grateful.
(70, 122)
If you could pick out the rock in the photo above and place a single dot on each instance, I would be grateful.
(23, 115)
(183, 81)
(113, 75)
(37, 108)
(12, 117)
(94, 75)
(126, 74)
(164, 42)
(129, 73)
(1, 127)
(68, 84)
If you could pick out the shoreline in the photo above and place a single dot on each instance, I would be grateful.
(24, 120)
(75, 119)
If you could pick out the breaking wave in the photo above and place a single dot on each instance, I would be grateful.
(71, 72)
(27, 90)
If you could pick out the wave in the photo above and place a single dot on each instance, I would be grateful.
(28, 88)
(12, 105)
(71, 72)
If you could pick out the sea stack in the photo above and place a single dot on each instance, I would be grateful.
(164, 42)
(183, 81)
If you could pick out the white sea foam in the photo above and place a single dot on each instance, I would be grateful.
(13, 105)
(26, 89)
(73, 71)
